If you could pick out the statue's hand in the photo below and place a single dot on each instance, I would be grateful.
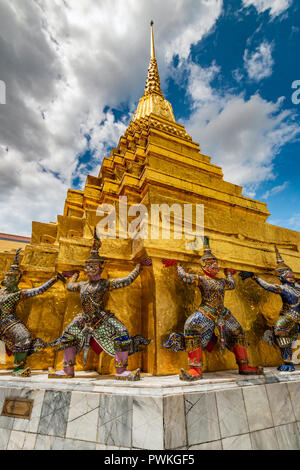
(169, 262)
(246, 274)
(229, 271)
(61, 278)
(146, 262)
(69, 274)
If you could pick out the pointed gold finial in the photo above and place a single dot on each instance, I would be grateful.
(152, 41)
(153, 81)
(153, 101)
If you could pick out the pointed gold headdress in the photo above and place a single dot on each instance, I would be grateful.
(94, 255)
(14, 269)
(282, 268)
(207, 251)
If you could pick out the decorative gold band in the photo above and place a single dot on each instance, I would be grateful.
(240, 341)
(195, 363)
(192, 342)
(122, 345)
(68, 364)
(120, 364)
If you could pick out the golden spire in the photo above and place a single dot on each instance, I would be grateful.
(152, 41)
(153, 101)
(153, 80)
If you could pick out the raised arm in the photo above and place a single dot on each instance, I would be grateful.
(276, 288)
(186, 277)
(72, 285)
(26, 293)
(229, 281)
(127, 280)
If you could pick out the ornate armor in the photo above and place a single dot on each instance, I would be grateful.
(106, 329)
(96, 326)
(13, 332)
(199, 328)
(285, 330)
(212, 315)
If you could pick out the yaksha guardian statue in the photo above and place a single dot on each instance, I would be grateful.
(97, 327)
(199, 328)
(285, 330)
(13, 332)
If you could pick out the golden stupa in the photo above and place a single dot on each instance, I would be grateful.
(156, 162)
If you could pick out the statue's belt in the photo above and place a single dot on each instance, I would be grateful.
(98, 318)
(212, 314)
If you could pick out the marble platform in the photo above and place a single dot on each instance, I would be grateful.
(91, 412)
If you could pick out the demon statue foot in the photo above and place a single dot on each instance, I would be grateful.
(58, 374)
(189, 377)
(68, 366)
(130, 376)
(248, 370)
(241, 357)
(20, 371)
(287, 368)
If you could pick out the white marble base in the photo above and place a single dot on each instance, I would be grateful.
(224, 411)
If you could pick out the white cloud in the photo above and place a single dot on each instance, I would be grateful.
(238, 75)
(276, 7)
(241, 135)
(260, 63)
(27, 191)
(275, 190)
(63, 62)
(294, 222)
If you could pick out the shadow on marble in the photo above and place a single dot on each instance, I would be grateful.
(115, 420)
(4, 438)
(232, 413)
(257, 408)
(54, 415)
(242, 442)
(265, 439)
(201, 418)
(288, 436)
(57, 443)
(174, 422)
(147, 423)
(280, 403)
(83, 416)
(294, 391)
(215, 445)
(20, 440)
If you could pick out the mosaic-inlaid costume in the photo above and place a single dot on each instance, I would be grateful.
(97, 327)
(285, 330)
(212, 315)
(13, 332)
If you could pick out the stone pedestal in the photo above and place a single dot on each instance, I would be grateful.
(92, 412)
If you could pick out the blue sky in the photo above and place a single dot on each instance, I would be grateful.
(75, 71)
